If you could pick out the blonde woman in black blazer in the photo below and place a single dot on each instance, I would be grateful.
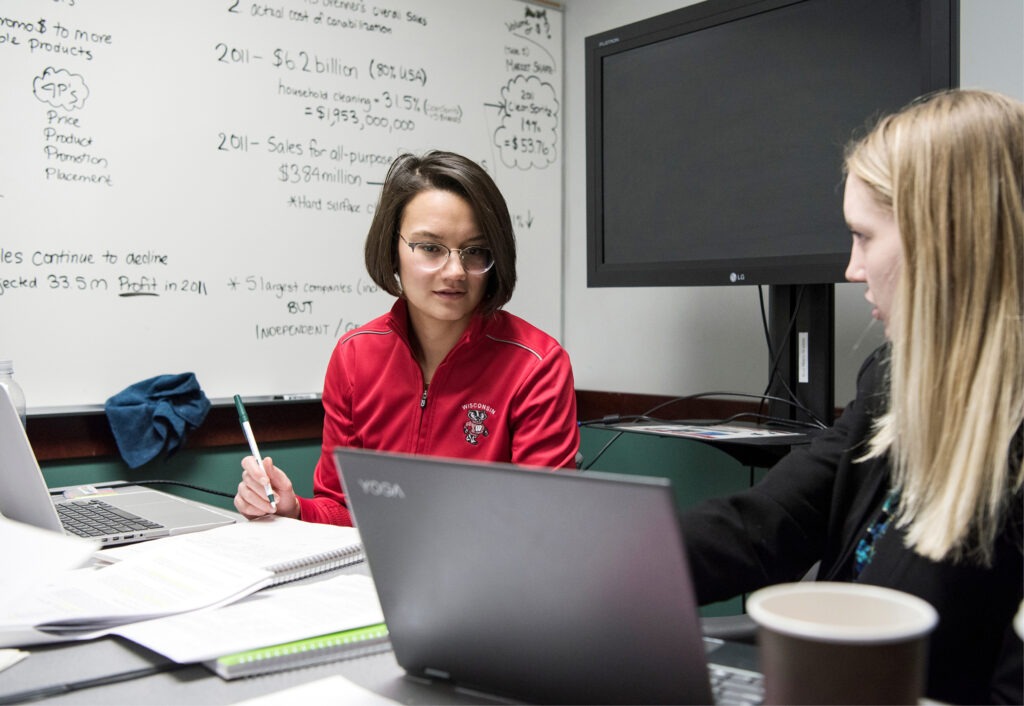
(918, 485)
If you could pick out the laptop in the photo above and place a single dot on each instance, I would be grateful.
(117, 512)
(549, 587)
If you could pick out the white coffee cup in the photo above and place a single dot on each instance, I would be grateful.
(841, 643)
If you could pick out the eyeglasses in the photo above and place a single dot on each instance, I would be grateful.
(431, 257)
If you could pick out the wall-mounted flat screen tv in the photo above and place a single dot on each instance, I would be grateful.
(715, 133)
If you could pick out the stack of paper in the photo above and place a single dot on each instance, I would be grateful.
(87, 603)
(34, 557)
(170, 576)
(270, 617)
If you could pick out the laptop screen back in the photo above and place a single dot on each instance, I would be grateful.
(24, 496)
(23, 493)
(546, 586)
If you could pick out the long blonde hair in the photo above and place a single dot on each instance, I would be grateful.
(951, 168)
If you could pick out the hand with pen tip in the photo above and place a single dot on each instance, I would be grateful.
(265, 489)
(251, 499)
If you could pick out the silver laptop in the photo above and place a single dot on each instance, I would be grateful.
(118, 513)
(552, 587)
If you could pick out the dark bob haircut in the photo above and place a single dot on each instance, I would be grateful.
(445, 171)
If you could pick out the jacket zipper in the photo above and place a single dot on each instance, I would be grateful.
(423, 399)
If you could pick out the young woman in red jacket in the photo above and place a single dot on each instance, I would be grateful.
(446, 372)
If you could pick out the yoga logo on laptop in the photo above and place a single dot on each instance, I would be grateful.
(381, 488)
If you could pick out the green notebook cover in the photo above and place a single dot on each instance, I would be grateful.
(303, 653)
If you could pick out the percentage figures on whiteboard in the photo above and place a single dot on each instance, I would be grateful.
(401, 101)
(362, 111)
(386, 70)
(528, 136)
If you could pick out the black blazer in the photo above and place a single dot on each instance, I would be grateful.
(816, 504)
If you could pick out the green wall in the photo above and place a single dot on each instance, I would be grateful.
(697, 470)
(216, 469)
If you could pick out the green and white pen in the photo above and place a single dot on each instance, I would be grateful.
(243, 418)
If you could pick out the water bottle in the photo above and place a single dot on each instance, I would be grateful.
(13, 388)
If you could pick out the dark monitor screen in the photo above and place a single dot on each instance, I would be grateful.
(715, 133)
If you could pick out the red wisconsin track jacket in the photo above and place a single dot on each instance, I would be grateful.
(504, 393)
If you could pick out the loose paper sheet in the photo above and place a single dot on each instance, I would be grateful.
(268, 618)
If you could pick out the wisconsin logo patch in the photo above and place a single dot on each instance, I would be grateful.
(474, 428)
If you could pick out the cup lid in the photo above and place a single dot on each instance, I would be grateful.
(842, 612)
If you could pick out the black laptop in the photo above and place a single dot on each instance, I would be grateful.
(550, 587)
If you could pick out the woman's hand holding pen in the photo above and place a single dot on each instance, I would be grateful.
(251, 499)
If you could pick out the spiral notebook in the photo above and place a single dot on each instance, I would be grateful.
(347, 644)
(291, 549)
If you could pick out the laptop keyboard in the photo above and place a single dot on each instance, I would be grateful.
(731, 686)
(95, 518)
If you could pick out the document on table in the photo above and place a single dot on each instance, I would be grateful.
(34, 556)
(270, 617)
(89, 602)
(335, 689)
(716, 432)
(9, 658)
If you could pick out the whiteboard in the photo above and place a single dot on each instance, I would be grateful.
(187, 186)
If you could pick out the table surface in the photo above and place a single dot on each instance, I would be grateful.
(195, 684)
(71, 662)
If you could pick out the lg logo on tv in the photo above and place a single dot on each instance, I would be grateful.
(381, 489)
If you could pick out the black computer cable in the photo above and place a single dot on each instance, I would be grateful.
(775, 355)
(182, 484)
(46, 692)
(646, 416)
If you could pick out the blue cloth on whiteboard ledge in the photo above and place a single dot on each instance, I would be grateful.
(155, 415)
